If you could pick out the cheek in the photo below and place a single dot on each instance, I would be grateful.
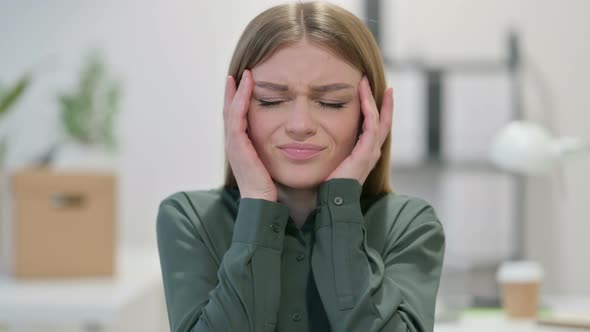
(347, 138)
(255, 127)
(344, 130)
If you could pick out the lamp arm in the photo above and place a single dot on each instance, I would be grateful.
(570, 146)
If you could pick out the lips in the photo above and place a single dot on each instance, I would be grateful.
(300, 151)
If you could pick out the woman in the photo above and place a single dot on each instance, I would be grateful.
(306, 234)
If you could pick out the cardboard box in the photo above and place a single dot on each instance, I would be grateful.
(61, 224)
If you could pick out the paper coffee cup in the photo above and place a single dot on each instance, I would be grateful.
(520, 283)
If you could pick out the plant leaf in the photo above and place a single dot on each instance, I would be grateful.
(88, 113)
(9, 98)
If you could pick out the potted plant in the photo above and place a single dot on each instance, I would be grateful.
(88, 117)
(74, 185)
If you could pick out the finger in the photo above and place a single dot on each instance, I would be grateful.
(230, 91)
(242, 98)
(369, 137)
(368, 107)
(241, 102)
(386, 114)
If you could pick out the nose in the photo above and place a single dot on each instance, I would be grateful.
(300, 122)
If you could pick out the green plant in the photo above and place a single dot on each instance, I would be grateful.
(89, 112)
(8, 98)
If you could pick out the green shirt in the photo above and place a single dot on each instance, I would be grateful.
(357, 264)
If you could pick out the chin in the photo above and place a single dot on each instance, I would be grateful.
(300, 177)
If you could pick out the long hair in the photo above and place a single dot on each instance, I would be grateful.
(332, 27)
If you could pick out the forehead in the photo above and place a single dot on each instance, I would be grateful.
(305, 63)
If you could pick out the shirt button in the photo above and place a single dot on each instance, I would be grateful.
(275, 227)
(296, 317)
(300, 257)
(338, 200)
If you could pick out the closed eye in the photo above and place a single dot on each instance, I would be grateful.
(268, 103)
(271, 103)
(331, 105)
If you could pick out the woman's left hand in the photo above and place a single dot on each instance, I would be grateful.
(376, 127)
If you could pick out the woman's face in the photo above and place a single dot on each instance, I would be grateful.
(304, 113)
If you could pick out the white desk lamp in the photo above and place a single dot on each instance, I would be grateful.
(529, 149)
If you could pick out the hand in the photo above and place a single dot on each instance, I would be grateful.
(376, 127)
(253, 179)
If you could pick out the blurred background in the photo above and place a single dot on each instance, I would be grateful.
(135, 90)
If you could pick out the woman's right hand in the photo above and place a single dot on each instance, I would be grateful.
(253, 179)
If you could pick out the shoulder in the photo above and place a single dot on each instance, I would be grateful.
(401, 209)
(207, 214)
(393, 215)
(195, 204)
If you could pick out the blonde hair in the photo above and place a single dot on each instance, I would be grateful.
(332, 27)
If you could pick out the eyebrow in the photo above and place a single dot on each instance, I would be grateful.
(315, 88)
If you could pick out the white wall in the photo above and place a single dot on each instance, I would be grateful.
(555, 38)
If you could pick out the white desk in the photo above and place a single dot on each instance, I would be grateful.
(92, 303)
(496, 321)
(498, 324)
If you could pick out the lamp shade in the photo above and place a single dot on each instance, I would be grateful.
(527, 148)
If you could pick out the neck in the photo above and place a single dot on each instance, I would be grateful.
(299, 201)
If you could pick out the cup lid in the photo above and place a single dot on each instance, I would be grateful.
(520, 271)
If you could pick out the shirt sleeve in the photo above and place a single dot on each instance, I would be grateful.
(241, 293)
(362, 290)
